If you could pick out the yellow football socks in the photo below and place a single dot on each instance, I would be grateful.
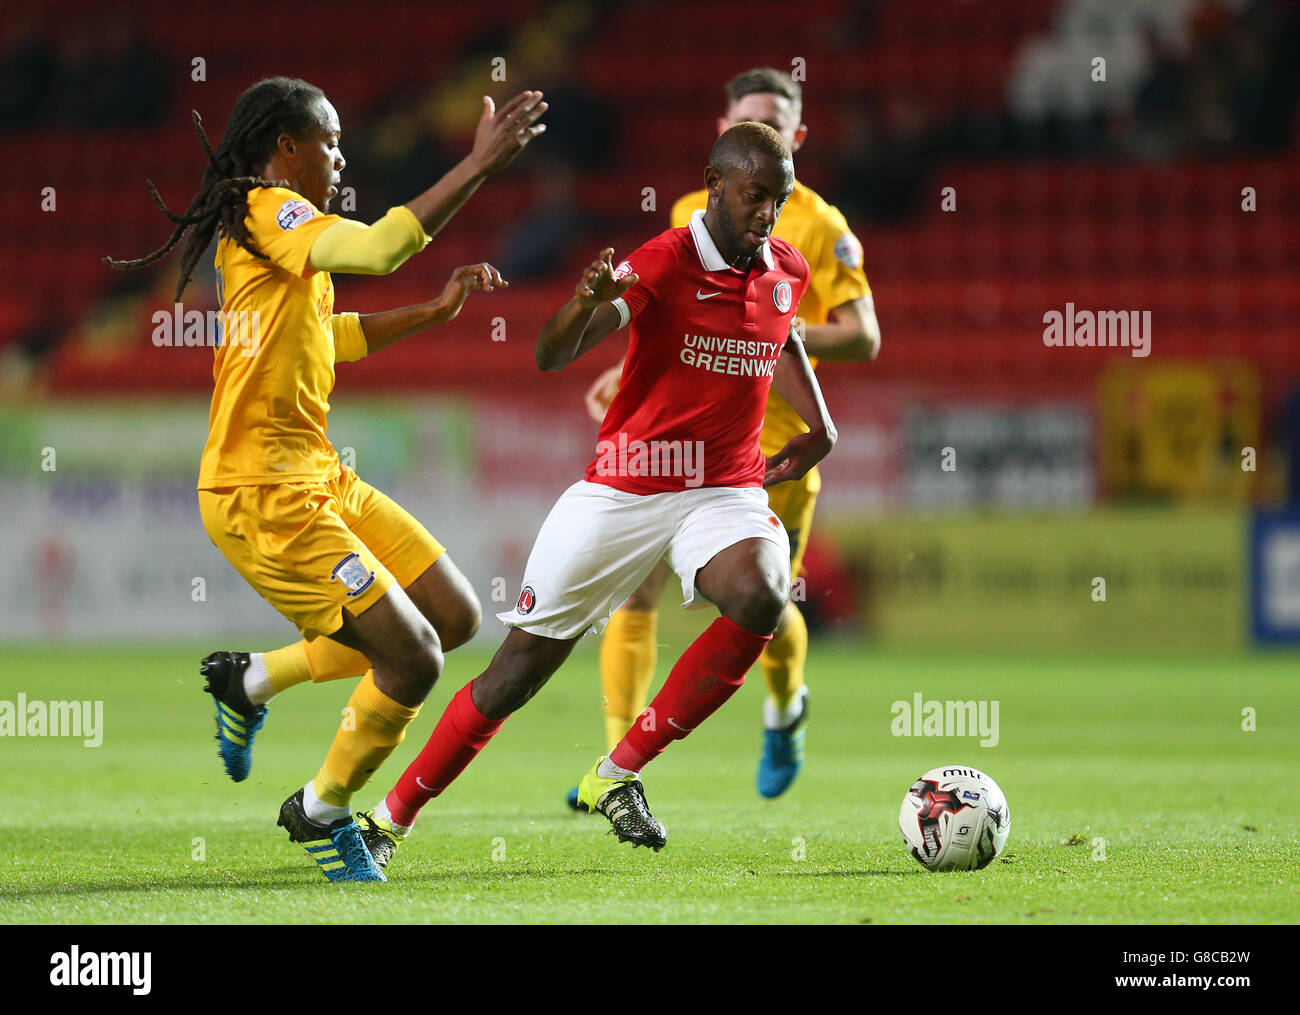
(783, 659)
(373, 725)
(320, 660)
(627, 664)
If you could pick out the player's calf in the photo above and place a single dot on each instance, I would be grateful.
(521, 667)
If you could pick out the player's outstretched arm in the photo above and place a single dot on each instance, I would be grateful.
(851, 335)
(500, 137)
(389, 326)
(582, 323)
(795, 381)
(383, 247)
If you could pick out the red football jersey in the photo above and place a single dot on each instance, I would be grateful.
(705, 339)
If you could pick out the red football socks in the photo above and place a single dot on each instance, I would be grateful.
(707, 674)
(461, 733)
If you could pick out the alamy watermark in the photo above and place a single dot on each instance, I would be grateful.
(1125, 329)
(623, 457)
(934, 718)
(75, 968)
(179, 327)
(23, 718)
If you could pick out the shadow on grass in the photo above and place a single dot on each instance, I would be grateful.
(281, 877)
(846, 874)
(496, 875)
(288, 877)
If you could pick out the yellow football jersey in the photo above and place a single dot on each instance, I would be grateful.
(819, 231)
(274, 369)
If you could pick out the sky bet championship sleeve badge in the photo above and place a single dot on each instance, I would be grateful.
(354, 574)
(782, 295)
(293, 214)
(848, 251)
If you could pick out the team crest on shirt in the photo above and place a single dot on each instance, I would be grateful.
(527, 600)
(783, 295)
(293, 214)
(353, 574)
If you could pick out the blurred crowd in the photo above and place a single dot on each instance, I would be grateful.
(92, 74)
(1182, 78)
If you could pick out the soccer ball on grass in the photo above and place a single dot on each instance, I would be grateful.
(955, 818)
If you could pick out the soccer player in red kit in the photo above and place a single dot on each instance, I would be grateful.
(678, 475)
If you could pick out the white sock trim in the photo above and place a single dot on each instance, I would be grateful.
(382, 813)
(257, 684)
(608, 770)
(779, 719)
(318, 810)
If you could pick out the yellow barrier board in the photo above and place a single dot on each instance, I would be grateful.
(1158, 578)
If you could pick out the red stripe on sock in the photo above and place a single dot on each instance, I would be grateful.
(461, 733)
(707, 674)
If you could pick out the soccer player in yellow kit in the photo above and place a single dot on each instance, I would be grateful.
(840, 324)
(372, 592)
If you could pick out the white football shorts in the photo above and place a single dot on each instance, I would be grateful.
(598, 545)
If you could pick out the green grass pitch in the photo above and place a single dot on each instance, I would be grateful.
(1146, 753)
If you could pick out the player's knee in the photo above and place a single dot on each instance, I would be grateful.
(463, 623)
(762, 601)
(642, 600)
(423, 663)
(646, 597)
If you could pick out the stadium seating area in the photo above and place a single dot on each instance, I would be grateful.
(960, 294)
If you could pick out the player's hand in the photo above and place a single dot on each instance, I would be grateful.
(601, 394)
(465, 280)
(800, 454)
(598, 283)
(502, 134)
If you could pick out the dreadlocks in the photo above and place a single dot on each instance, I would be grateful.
(272, 107)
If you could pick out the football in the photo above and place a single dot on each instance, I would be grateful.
(955, 818)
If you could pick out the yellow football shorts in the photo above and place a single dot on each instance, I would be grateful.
(793, 502)
(313, 549)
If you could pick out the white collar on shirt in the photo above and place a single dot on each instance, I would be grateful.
(710, 257)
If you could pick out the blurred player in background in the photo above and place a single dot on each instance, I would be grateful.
(678, 475)
(372, 592)
(839, 324)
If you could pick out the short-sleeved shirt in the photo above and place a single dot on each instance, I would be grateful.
(705, 339)
(274, 370)
(818, 230)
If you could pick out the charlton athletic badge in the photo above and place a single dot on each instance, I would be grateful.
(527, 600)
(782, 296)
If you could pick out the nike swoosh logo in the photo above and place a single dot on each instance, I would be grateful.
(418, 782)
(706, 296)
(676, 727)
